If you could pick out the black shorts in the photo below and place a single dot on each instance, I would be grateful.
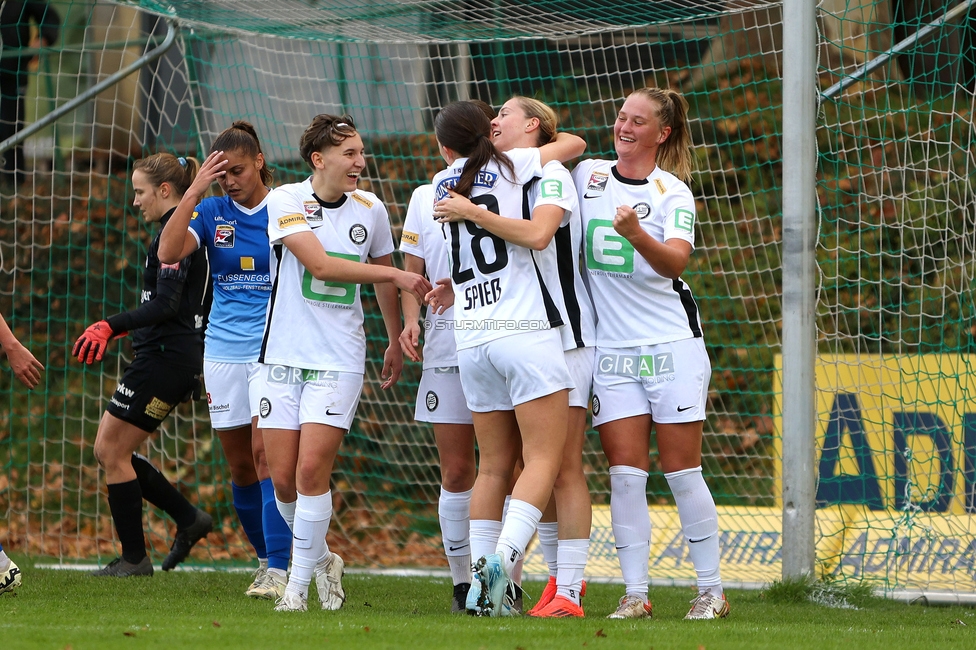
(149, 389)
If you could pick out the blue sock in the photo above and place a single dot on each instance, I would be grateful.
(277, 535)
(247, 503)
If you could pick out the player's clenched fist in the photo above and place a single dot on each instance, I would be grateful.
(91, 345)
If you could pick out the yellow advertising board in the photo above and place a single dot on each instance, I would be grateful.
(896, 493)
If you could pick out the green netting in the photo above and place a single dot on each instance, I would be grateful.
(896, 254)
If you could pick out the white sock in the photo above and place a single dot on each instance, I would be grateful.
(572, 563)
(631, 524)
(520, 524)
(549, 542)
(516, 573)
(281, 573)
(287, 511)
(312, 517)
(4, 560)
(454, 514)
(699, 523)
(263, 563)
(484, 537)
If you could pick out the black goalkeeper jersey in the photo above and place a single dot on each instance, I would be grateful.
(175, 305)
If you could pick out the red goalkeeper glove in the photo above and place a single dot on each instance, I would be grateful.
(91, 345)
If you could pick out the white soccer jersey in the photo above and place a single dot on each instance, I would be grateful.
(561, 259)
(635, 305)
(424, 238)
(312, 324)
(498, 290)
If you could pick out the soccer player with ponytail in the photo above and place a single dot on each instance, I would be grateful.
(167, 340)
(652, 369)
(233, 229)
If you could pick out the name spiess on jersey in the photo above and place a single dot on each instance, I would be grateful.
(483, 293)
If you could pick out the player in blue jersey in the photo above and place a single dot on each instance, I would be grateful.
(234, 231)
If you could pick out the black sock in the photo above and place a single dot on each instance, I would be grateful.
(163, 494)
(125, 502)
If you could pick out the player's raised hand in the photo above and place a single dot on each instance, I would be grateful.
(211, 170)
(416, 284)
(90, 346)
(392, 366)
(441, 297)
(410, 341)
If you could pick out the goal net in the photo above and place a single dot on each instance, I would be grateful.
(896, 443)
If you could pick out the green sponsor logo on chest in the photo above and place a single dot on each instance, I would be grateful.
(341, 293)
(606, 250)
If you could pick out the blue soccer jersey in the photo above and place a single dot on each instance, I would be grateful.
(237, 244)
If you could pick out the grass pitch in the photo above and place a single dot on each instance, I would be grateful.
(69, 609)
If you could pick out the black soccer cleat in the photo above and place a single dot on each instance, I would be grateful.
(120, 568)
(460, 595)
(186, 538)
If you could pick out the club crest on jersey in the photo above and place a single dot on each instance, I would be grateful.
(224, 236)
(642, 210)
(432, 401)
(313, 212)
(358, 234)
(596, 185)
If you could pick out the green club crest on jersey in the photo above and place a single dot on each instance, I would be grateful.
(684, 220)
(552, 188)
(606, 250)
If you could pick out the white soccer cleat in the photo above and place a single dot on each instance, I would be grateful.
(291, 602)
(632, 606)
(328, 580)
(707, 605)
(267, 585)
(10, 579)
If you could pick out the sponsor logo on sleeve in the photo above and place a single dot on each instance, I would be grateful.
(660, 186)
(247, 263)
(411, 238)
(684, 220)
(224, 236)
(195, 215)
(172, 267)
(290, 220)
(358, 233)
(362, 199)
(552, 188)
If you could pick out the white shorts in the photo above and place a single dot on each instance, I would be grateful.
(579, 361)
(440, 398)
(669, 381)
(291, 397)
(501, 374)
(231, 393)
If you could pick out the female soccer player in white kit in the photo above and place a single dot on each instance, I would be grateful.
(651, 365)
(555, 223)
(509, 356)
(440, 398)
(322, 232)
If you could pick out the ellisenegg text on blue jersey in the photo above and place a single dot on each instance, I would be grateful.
(236, 239)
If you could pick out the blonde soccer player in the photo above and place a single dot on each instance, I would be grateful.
(327, 238)
(652, 370)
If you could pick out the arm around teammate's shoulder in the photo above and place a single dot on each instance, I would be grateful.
(563, 148)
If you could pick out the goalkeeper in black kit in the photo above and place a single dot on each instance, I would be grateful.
(167, 340)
